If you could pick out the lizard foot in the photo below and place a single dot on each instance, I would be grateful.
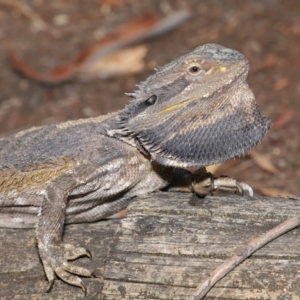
(55, 261)
(205, 183)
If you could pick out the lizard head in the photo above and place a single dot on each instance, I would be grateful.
(197, 110)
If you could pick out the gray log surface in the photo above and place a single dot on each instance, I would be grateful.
(164, 249)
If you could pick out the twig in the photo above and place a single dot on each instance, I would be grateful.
(241, 254)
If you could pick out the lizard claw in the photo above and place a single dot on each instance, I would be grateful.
(50, 286)
(204, 183)
(89, 254)
(84, 289)
(246, 188)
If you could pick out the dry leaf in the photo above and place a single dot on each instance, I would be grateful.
(284, 118)
(236, 166)
(273, 192)
(264, 163)
(281, 84)
(125, 61)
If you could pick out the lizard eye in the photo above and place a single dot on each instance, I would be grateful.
(195, 70)
(150, 101)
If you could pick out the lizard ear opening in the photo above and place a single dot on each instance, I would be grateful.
(135, 108)
(150, 101)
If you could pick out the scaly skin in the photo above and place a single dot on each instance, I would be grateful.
(196, 111)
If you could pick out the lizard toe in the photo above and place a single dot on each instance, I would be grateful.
(71, 252)
(70, 278)
(73, 269)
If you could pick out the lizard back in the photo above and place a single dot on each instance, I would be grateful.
(47, 144)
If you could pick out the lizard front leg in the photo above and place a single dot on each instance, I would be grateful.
(53, 253)
(86, 193)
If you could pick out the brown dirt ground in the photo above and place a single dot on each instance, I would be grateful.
(267, 32)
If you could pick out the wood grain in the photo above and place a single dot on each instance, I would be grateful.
(163, 249)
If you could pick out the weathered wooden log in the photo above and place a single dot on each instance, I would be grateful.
(164, 249)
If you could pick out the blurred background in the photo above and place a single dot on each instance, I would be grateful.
(63, 60)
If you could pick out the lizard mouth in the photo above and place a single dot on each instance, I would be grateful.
(177, 105)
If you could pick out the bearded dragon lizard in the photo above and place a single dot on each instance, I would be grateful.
(195, 111)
